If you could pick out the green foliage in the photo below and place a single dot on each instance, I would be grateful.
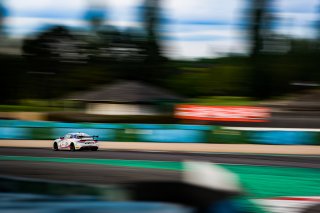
(225, 136)
(38, 105)
(41, 133)
(13, 79)
(221, 79)
(225, 101)
(24, 108)
(83, 117)
(59, 61)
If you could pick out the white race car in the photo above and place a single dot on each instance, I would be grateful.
(76, 141)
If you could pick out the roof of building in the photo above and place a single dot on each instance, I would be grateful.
(125, 92)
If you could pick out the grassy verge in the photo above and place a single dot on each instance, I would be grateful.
(37, 105)
(26, 108)
(258, 181)
(225, 101)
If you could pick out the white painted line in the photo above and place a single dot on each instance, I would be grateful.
(271, 129)
(287, 204)
(211, 153)
(119, 159)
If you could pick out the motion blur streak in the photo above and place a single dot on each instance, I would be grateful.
(162, 75)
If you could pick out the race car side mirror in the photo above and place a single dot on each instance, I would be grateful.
(61, 138)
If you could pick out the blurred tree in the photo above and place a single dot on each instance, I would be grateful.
(259, 33)
(96, 14)
(99, 35)
(258, 25)
(50, 57)
(151, 25)
(55, 45)
(121, 53)
(133, 53)
(276, 60)
(154, 69)
(216, 77)
(6, 91)
(118, 53)
(3, 12)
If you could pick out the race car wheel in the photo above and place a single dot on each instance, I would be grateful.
(55, 147)
(94, 149)
(72, 147)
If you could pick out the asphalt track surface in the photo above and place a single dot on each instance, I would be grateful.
(104, 174)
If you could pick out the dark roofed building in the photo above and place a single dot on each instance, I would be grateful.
(125, 98)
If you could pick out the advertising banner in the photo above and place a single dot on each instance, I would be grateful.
(223, 113)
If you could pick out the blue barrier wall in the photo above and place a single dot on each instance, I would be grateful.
(173, 135)
(34, 130)
(13, 133)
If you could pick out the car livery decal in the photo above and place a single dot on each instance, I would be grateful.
(290, 204)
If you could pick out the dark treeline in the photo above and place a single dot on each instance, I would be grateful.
(277, 61)
(60, 60)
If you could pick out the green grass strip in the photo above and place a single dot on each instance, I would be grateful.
(258, 181)
(110, 162)
(272, 181)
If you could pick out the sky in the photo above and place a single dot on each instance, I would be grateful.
(192, 28)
